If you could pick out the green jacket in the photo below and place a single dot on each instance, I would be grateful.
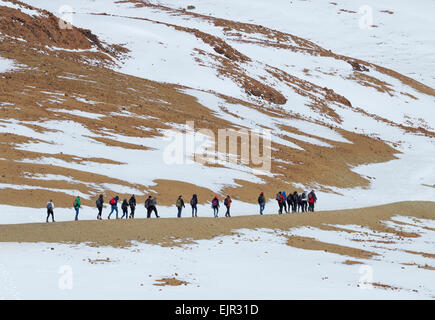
(77, 203)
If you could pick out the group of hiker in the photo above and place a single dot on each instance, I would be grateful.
(194, 203)
(295, 202)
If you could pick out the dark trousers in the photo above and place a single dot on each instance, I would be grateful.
(261, 207)
(304, 206)
(50, 212)
(280, 204)
(285, 206)
(132, 209)
(151, 209)
(294, 206)
(124, 213)
(179, 211)
(100, 211)
(311, 206)
(194, 211)
(227, 214)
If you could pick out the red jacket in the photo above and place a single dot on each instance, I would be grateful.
(310, 198)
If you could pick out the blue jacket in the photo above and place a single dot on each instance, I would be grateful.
(284, 195)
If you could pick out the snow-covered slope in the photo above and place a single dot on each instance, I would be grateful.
(394, 34)
(129, 97)
(6, 65)
(249, 70)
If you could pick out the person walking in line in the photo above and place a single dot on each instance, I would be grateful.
(154, 207)
(294, 201)
(114, 204)
(289, 202)
(215, 206)
(50, 210)
(124, 207)
(227, 203)
(280, 199)
(180, 205)
(77, 204)
(304, 201)
(311, 200)
(132, 204)
(193, 204)
(150, 205)
(299, 202)
(99, 204)
(261, 202)
(285, 201)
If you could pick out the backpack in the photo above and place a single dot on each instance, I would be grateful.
(75, 203)
(99, 202)
(178, 203)
(278, 197)
(112, 202)
(214, 202)
(226, 201)
(49, 206)
(147, 203)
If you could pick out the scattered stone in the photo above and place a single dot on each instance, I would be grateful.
(357, 67)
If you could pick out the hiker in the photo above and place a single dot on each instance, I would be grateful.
(124, 207)
(227, 203)
(99, 204)
(280, 199)
(50, 210)
(299, 202)
(77, 205)
(290, 202)
(215, 206)
(193, 204)
(285, 201)
(150, 205)
(132, 204)
(261, 202)
(311, 200)
(114, 204)
(294, 201)
(304, 201)
(180, 205)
